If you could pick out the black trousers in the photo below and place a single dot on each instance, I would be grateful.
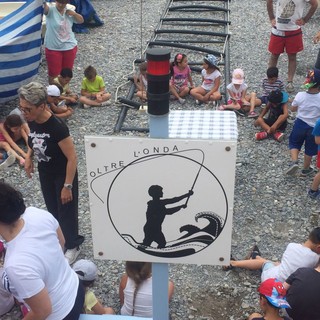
(66, 214)
(77, 309)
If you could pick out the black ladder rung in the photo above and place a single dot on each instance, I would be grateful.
(214, 21)
(182, 46)
(194, 41)
(204, 33)
(193, 8)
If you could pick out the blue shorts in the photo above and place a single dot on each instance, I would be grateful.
(268, 265)
(264, 99)
(302, 133)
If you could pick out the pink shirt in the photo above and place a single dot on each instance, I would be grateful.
(180, 77)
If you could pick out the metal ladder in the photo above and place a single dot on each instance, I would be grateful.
(196, 28)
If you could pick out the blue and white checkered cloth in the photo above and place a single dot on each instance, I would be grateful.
(203, 124)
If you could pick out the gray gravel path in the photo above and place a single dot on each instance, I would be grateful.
(270, 209)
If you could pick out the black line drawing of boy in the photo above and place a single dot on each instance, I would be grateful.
(156, 213)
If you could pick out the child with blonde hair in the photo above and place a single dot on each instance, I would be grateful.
(180, 76)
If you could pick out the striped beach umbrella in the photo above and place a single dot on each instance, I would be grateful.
(20, 48)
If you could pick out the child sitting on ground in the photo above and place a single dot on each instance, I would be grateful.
(11, 131)
(93, 90)
(272, 298)
(87, 273)
(180, 76)
(135, 290)
(57, 107)
(141, 82)
(211, 76)
(63, 80)
(308, 106)
(295, 256)
(276, 114)
(271, 83)
(239, 100)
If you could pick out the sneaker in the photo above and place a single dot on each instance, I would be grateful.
(9, 161)
(182, 101)
(240, 112)
(72, 254)
(291, 117)
(86, 106)
(279, 136)
(261, 135)
(198, 102)
(263, 105)
(106, 103)
(307, 172)
(290, 87)
(252, 114)
(293, 168)
(314, 194)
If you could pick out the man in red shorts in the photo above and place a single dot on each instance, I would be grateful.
(286, 34)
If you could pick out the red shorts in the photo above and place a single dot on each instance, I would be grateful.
(291, 42)
(318, 159)
(57, 60)
(239, 101)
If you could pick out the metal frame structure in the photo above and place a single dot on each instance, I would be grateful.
(198, 27)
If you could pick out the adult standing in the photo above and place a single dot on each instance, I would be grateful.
(286, 33)
(35, 270)
(60, 42)
(49, 140)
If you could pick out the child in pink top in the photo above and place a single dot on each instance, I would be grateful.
(181, 75)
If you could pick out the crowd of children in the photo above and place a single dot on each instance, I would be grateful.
(135, 290)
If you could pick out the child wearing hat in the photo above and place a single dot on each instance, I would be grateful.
(57, 107)
(276, 113)
(307, 105)
(239, 100)
(272, 297)
(209, 89)
(87, 273)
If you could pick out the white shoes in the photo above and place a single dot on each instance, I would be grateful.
(72, 254)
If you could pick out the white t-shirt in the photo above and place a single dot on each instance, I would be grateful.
(208, 79)
(237, 92)
(34, 260)
(295, 256)
(308, 107)
(143, 302)
(288, 12)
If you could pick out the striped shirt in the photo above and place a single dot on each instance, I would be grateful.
(267, 87)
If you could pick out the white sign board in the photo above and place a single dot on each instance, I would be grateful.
(161, 200)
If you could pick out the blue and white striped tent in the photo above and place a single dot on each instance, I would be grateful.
(20, 48)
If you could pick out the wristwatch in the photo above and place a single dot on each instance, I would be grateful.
(68, 186)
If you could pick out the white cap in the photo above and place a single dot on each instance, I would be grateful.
(53, 91)
(88, 268)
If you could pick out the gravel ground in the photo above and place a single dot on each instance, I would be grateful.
(270, 209)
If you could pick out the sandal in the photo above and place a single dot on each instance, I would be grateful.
(254, 252)
(229, 267)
